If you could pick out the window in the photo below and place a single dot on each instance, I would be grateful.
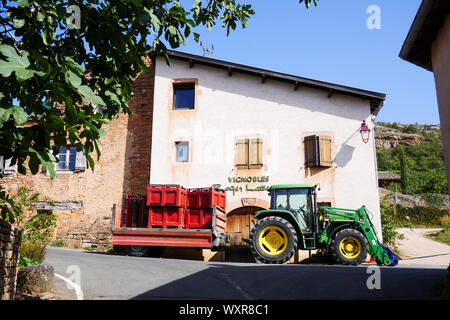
(249, 153)
(318, 151)
(183, 96)
(70, 159)
(182, 151)
(281, 199)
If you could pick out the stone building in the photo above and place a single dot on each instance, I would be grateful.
(203, 122)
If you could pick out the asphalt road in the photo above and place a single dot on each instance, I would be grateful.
(103, 276)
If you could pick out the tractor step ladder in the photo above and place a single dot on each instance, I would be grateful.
(309, 241)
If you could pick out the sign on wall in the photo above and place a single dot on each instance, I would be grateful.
(242, 184)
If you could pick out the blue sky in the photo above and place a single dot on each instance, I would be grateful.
(332, 43)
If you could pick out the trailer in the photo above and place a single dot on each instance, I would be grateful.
(170, 216)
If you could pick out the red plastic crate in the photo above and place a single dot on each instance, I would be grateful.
(164, 217)
(166, 196)
(205, 198)
(134, 214)
(198, 218)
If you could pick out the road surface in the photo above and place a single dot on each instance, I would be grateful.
(416, 249)
(103, 276)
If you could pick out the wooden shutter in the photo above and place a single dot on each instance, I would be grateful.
(311, 151)
(242, 154)
(325, 151)
(255, 152)
(80, 161)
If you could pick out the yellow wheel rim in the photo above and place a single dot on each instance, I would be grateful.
(350, 247)
(273, 240)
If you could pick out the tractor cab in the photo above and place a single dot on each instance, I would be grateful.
(299, 199)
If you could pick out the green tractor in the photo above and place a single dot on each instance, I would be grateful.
(295, 222)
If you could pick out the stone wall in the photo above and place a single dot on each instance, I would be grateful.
(10, 239)
(84, 200)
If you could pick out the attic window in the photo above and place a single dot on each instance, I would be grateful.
(183, 96)
(318, 151)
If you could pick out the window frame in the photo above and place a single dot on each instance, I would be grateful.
(191, 85)
(187, 144)
(67, 161)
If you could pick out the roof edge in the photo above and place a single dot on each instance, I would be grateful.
(376, 99)
(419, 20)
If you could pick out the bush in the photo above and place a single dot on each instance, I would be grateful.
(58, 243)
(433, 200)
(445, 222)
(31, 253)
(419, 215)
(388, 224)
(37, 227)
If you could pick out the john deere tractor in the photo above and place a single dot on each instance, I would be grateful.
(295, 222)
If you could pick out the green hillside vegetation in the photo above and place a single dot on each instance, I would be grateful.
(423, 166)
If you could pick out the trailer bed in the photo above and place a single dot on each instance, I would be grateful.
(195, 238)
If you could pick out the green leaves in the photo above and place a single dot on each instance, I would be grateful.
(147, 16)
(46, 158)
(89, 94)
(17, 113)
(15, 63)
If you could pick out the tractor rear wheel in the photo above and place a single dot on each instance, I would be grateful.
(349, 246)
(273, 240)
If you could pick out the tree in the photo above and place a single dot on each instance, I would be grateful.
(410, 129)
(403, 171)
(61, 61)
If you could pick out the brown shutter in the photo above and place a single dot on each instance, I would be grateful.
(325, 151)
(242, 154)
(255, 153)
(311, 152)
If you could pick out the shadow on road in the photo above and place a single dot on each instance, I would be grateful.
(299, 282)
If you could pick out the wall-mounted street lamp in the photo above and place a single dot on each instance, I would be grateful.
(365, 132)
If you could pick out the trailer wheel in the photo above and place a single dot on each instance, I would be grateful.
(273, 240)
(137, 251)
(349, 246)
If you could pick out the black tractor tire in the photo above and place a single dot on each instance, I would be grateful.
(137, 251)
(349, 247)
(287, 239)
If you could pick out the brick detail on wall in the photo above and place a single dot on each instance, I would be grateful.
(10, 239)
(139, 135)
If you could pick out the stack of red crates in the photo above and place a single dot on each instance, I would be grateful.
(200, 204)
(166, 206)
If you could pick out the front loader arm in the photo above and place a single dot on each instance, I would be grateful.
(381, 254)
(338, 218)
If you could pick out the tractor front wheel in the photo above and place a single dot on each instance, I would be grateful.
(349, 246)
(273, 240)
